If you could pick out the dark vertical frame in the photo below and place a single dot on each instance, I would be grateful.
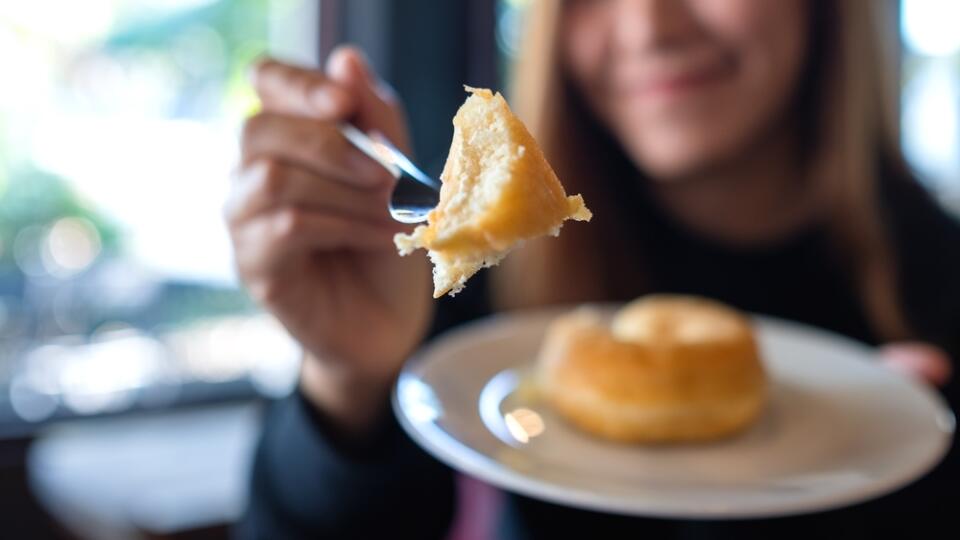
(426, 49)
(329, 22)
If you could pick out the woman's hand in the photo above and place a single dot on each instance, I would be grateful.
(921, 361)
(313, 238)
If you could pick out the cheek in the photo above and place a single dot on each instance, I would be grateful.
(769, 38)
(771, 41)
(740, 19)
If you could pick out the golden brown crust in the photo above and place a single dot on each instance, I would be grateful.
(665, 369)
(498, 191)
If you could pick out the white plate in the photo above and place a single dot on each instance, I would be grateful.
(838, 430)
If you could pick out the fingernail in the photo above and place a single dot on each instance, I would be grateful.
(348, 64)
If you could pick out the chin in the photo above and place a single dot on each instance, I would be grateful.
(672, 164)
(668, 156)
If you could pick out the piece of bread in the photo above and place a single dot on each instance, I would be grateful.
(665, 369)
(498, 191)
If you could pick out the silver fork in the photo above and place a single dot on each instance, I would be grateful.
(415, 193)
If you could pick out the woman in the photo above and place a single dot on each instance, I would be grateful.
(739, 149)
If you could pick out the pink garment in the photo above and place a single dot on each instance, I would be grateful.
(478, 508)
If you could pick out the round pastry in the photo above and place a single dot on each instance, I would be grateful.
(664, 369)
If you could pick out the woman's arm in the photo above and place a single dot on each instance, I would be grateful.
(313, 242)
(306, 485)
(314, 480)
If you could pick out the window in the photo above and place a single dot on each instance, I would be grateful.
(118, 129)
(931, 92)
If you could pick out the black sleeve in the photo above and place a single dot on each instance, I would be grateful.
(305, 484)
(926, 239)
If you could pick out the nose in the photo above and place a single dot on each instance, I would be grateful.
(645, 24)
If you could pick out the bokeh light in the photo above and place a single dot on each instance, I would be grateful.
(524, 424)
(231, 348)
(931, 123)
(509, 26)
(71, 245)
(27, 250)
(930, 27)
(29, 403)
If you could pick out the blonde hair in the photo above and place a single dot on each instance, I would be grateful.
(852, 140)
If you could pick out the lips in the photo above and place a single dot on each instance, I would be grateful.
(671, 79)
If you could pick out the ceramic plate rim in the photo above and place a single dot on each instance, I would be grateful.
(460, 456)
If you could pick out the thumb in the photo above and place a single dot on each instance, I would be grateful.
(921, 361)
(377, 107)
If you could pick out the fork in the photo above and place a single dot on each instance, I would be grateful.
(415, 193)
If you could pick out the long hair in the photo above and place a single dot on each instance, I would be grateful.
(848, 99)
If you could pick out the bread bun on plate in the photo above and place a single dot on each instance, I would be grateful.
(664, 369)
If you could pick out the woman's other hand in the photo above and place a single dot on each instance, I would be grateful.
(921, 361)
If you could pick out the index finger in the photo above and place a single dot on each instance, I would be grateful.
(288, 89)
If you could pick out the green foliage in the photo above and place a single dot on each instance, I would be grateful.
(236, 31)
(34, 197)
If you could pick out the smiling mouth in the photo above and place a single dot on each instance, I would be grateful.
(675, 82)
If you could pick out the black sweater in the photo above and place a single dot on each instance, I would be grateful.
(305, 485)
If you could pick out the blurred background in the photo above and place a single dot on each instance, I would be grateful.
(132, 367)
